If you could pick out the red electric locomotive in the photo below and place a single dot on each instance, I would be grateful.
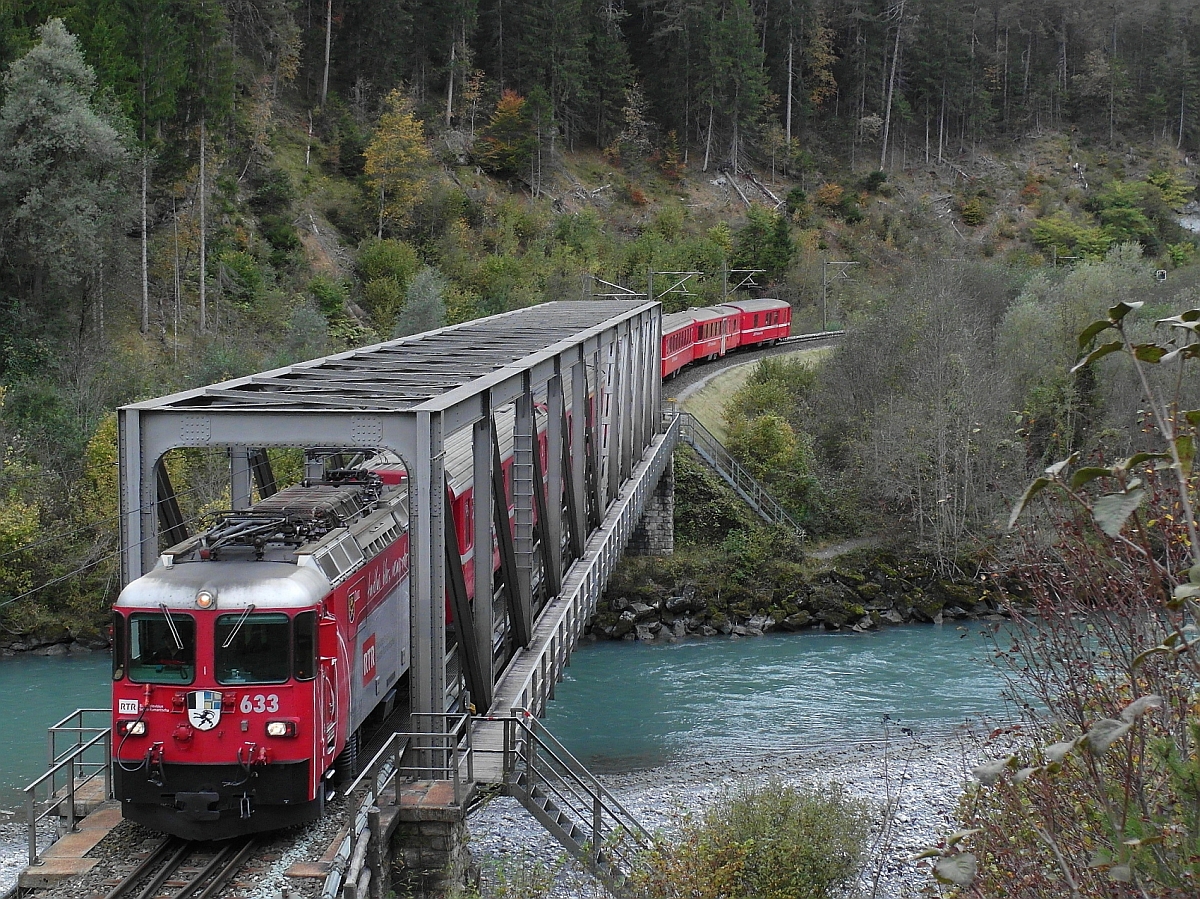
(244, 663)
(247, 661)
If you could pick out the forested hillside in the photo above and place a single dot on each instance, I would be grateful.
(196, 189)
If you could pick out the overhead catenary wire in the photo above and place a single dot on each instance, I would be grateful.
(82, 568)
(71, 533)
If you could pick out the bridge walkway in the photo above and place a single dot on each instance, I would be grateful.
(528, 682)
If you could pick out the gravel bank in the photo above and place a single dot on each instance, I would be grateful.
(921, 779)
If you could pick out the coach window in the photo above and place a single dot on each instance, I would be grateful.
(304, 653)
(162, 650)
(252, 649)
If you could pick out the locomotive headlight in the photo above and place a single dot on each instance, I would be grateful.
(131, 728)
(281, 728)
(206, 599)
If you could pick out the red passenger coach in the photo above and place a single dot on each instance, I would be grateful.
(713, 331)
(761, 321)
(678, 341)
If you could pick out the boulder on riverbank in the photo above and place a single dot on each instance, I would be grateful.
(54, 642)
(655, 601)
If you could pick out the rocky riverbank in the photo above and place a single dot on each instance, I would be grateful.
(865, 591)
(52, 644)
(913, 784)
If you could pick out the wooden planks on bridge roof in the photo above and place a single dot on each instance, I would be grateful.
(407, 372)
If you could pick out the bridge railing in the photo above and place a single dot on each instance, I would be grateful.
(755, 495)
(357, 869)
(444, 752)
(77, 753)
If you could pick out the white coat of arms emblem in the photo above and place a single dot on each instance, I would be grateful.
(204, 709)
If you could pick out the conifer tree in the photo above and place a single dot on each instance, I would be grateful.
(62, 165)
(506, 143)
(206, 96)
(609, 72)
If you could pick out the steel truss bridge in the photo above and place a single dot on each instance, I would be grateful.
(585, 373)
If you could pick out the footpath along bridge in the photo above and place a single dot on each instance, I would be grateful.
(583, 376)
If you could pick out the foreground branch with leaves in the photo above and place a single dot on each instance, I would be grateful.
(1107, 803)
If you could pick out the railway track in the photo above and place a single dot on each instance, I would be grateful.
(182, 869)
(692, 376)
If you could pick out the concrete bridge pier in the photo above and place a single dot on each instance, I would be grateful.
(655, 533)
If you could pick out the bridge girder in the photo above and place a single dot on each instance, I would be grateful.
(410, 396)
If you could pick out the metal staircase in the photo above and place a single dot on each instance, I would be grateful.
(709, 449)
(570, 803)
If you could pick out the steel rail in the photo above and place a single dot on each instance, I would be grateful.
(168, 859)
(222, 877)
(168, 868)
(156, 857)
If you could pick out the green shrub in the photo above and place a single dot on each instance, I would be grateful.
(1176, 190)
(1181, 253)
(241, 277)
(424, 304)
(705, 510)
(274, 192)
(773, 841)
(388, 259)
(849, 209)
(1069, 235)
(279, 232)
(383, 298)
(797, 201)
(764, 242)
(329, 293)
(873, 181)
(973, 211)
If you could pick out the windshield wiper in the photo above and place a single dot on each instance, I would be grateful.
(171, 625)
(238, 626)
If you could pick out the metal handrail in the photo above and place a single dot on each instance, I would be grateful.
(699, 438)
(563, 756)
(70, 761)
(452, 741)
(355, 867)
(382, 769)
(76, 730)
(550, 771)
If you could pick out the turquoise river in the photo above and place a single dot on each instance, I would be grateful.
(630, 705)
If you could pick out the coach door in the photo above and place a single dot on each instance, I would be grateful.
(327, 690)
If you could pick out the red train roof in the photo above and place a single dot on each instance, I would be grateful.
(756, 305)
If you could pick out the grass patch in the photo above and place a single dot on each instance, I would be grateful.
(709, 402)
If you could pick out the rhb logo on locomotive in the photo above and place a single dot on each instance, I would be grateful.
(204, 709)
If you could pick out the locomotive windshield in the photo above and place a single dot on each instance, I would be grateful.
(252, 649)
(161, 651)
